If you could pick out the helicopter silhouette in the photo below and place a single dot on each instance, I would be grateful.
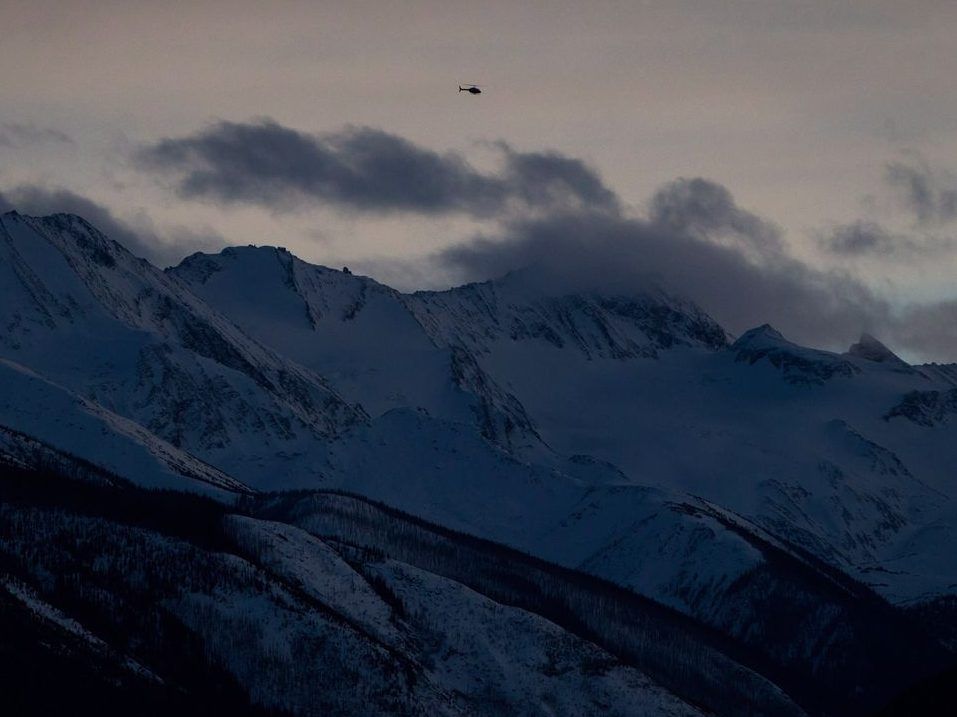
(471, 89)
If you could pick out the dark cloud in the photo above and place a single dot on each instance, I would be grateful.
(929, 194)
(141, 240)
(550, 179)
(707, 209)
(14, 134)
(363, 169)
(872, 240)
(862, 238)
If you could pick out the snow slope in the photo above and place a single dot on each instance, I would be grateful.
(476, 648)
(357, 333)
(85, 314)
(35, 408)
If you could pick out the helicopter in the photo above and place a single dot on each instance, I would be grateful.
(471, 89)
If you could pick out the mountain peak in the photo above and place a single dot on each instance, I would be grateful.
(254, 250)
(799, 365)
(870, 349)
(762, 335)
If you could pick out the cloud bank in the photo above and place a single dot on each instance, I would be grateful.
(362, 169)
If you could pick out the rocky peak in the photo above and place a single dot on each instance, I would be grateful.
(760, 335)
(870, 349)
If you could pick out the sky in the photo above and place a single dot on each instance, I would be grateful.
(789, 162)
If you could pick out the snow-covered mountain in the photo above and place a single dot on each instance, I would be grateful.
(87, 316)
(628, 436)
(806, 443)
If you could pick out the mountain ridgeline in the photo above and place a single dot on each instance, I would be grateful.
(503, 497)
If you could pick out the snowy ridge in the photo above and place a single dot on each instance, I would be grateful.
(45, 611)
(356, 332)
(799, 365)
(595, 325)
(84, 313)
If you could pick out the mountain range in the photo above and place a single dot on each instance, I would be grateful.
(507, 497)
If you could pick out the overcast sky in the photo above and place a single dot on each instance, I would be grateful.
(823, 133)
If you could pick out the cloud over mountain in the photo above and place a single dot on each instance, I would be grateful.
(141, 239)
(613, 253)
(707, 209)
